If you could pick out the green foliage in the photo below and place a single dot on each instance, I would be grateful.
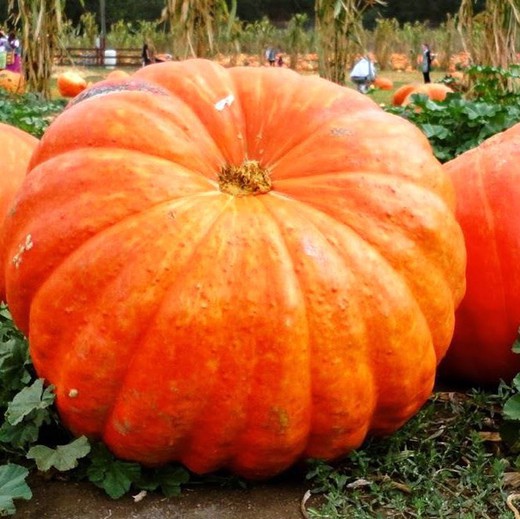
(436, 466)
(494, 84)
(28, 112)
(62, 458)
(510, 429)
(462, 122)
(12, 486)
(115, 477)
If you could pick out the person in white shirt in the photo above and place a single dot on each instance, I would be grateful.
(363, 74)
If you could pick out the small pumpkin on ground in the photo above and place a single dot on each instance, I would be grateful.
(12, 81)
(17, 148)
(402, 92)
(70, 83)
(435, 91)
(383, 83)
(117, 74)
(487, 183)
(149, 205)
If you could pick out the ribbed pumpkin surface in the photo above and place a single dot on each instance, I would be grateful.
(234, 267)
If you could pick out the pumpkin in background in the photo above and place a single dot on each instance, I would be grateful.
(435, 91)
(12, 81)
(487, 182)
(117, 74)
(17, 148)
(383, 83)
(234, 268)
(402, 93)
(71, 83)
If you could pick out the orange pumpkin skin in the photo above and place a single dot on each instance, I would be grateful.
(17, 148)
(12, 81)
(383, 83)
(117, 74)
(134, 293)
(70, 83)
(487, 182)
(435, 91)
(402, 92)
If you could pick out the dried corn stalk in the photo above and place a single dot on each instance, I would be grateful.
(490, 36)
(40, 21)
(340, 34)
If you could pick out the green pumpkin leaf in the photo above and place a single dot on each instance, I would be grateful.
(20, 435)
(516, 345)
(62, 458)
(115, 477)
(29, 399)
(512, 408)
(12, 486)
(169, 479)
(14, 359)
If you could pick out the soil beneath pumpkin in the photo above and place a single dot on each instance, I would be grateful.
(277, 499)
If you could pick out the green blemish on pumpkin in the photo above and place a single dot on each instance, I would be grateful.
(281, 417)
(123, 427)
(250, 178)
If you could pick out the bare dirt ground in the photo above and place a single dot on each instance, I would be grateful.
(278, 499)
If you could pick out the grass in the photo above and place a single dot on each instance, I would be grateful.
(400, 78)
(448, 462)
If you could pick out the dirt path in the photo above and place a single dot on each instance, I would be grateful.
(66, 500)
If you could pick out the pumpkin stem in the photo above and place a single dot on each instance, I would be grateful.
(247, 179)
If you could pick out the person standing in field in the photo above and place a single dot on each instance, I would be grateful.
(270, 56)
(427, 58)
(14, 51)
(147, 53)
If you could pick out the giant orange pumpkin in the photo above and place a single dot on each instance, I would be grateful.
(17, 148)
(487, 181)
(234, 267)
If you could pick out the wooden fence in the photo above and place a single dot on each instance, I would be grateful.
(92, 57)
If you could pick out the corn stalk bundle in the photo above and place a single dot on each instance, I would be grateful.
(340, 33)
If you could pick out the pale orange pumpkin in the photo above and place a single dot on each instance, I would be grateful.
(435, 91)
(117, 74)
(12, 81)
(70, 83)
(383, 83)
(402, 92)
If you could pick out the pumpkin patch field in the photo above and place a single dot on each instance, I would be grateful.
(242, 275)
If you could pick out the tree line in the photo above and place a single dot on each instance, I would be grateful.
(277, 11)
